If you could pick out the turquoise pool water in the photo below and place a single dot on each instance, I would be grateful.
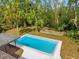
(39, 43)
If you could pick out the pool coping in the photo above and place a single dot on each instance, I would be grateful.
(59, 43)
(40, 37)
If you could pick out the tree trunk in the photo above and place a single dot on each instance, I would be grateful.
(36, 24)
(24, 24)
(56, 17)
(17, 27)
(75, 21)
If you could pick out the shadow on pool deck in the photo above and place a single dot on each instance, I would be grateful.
(10, 49)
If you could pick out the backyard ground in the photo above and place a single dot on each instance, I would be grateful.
(70, 50)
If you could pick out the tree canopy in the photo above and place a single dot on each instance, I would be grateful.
(39, 13)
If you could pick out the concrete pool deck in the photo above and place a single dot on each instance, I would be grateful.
(31, 53)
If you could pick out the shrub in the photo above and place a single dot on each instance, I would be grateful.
(73, 34)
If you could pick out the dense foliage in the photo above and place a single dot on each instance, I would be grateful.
(61, 16)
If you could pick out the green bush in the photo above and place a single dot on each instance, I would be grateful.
(73, 34)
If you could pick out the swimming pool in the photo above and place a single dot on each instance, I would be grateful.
(39, 43)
